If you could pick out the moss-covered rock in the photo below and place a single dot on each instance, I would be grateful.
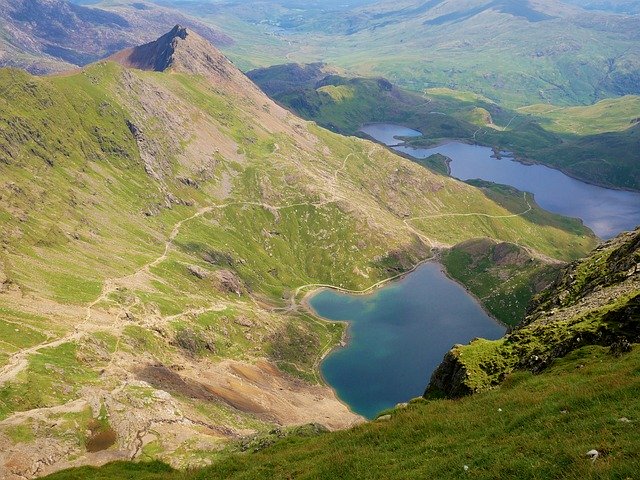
(596, 301)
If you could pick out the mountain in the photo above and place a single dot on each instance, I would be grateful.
(631, 7)
(597, 143)
(567, 410)
(160, 219)
(44, 36)
(513, 52)
(596, 301)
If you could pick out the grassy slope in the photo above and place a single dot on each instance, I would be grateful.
(503, 277)
(595, 301)
(525, 426)
(597, 143)
(80, 215)
(532, 426)
(610, 115)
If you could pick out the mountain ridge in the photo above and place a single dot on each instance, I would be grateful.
(57, 35)
(158, 230)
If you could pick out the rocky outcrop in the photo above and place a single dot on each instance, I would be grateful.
(228, 282)
(156, 55)
(449, 377)
(596, 301)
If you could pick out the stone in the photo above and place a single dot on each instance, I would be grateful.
(244, 322)
(197, 271)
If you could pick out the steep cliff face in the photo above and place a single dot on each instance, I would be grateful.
(596, 301)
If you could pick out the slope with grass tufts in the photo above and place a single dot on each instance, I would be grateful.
(155, 226)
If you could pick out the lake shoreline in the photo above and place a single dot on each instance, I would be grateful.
(347, 337)
(515, 157)
(604, 210)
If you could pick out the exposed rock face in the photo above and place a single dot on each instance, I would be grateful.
(596, 301)
(614, 262)
(509, 254)
(156, 55)
(197, 272)
(450, 375)
(183, 50)
(229, 282)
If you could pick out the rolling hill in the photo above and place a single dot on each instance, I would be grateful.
(514, 52)
(599, 143)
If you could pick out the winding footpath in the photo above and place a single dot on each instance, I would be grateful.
(19, 361)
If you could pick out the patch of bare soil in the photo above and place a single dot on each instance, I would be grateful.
(263, 390)
(163, 378)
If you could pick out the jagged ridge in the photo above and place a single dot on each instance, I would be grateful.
(156, 55)
(596, 301)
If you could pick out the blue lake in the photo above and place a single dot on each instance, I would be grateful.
(397, 336)
(607, 212)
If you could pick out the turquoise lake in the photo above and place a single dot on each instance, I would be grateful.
(397, 336)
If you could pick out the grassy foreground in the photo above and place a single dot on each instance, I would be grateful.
(532, 426)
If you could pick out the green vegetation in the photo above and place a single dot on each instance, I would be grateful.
(610, 115)
(596, 143)
(156, 227)
(559, 386)
(532, 426)
(514, 53)
(595, 301)
(55, 375)
(503, 276)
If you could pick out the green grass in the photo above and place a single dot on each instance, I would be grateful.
(533, 426)
(506, 287)
(568, 59)
(19, 335)
(22, 433)
(538, 343)
(596, 143)
(319, 208)
(610, 115)
(53, 376)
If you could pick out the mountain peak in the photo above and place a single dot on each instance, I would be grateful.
(181, 49)
(178, 32)
(157, 55)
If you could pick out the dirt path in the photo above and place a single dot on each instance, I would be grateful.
(19, 361)
(473, 214)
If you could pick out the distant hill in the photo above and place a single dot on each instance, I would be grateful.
(599, 143)
(44, 36)
(515, 52)
(615, 6)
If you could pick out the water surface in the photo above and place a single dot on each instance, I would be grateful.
(607, 212)
(398, 336)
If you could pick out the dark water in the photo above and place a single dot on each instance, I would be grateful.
(607, 212)
(398, 335)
